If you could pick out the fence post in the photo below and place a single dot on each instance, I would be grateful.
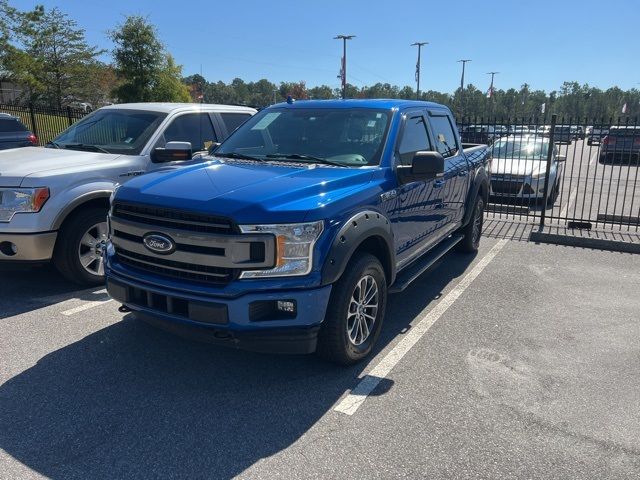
(69, 115)
(33, 119)
(543, 214)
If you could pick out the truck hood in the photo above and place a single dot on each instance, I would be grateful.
(19, 163)
(247, 192)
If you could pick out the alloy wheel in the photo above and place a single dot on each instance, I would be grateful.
(363, 310)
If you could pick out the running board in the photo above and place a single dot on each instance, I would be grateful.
(424, 263)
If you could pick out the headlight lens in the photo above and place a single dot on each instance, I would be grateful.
(294, 248)
(21, 200)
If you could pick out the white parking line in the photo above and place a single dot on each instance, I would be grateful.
(85, 306)
(350, 404)
(574, 191)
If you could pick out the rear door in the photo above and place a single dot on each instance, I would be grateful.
(454, 184)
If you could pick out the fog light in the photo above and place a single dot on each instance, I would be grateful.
(287, 306)
(8, 248)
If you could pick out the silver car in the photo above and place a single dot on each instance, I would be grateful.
(518, 167)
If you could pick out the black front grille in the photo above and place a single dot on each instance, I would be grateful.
(177, 219)
(171, 269)
(506, 187)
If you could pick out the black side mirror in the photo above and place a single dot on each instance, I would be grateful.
(172, 152)
(424, 165)
(428, 164)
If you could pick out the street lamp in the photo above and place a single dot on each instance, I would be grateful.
(419, 45)
(490, 92)
(343, 70)
(464, 63)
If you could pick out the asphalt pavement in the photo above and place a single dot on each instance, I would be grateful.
(519, 362)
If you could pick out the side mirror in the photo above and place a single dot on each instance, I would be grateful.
(427, 164)
(561, 158)
(172, 152)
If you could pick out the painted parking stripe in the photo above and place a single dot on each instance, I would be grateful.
(350, 404)
(85, 306)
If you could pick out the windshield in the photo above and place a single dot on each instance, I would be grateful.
(350, 137)
(522, 149)
(111, 130)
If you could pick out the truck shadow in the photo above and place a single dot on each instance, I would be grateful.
(132, 401)
(23, 289)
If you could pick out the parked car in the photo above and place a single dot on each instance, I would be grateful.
(563, 134)
(520, 130)
(54, 201)
(291, 236)
(621, 144)
(518, 169)
(580, 132)
(595, 135)
(14, 134)
(481, 134)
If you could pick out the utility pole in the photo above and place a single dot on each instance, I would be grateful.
(464, 63)
(343, 70)
(490, 92)
(419, 45)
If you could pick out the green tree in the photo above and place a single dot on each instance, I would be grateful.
(55, 56)
(139, 59)
(168, 86)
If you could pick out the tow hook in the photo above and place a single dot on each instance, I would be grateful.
(124, 309)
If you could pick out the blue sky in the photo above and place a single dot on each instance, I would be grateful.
(540, 42)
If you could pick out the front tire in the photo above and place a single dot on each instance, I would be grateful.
(473, 230)
(355, 313)
(78, 252)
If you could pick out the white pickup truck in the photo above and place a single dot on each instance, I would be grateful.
(54, 201)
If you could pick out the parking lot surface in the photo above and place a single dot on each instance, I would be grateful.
(519, 362)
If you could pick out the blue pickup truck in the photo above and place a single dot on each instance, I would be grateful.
(291, 235)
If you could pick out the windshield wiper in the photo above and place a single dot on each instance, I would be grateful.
(83, 146)
(53, 144)
(308, 158)
(239, 156)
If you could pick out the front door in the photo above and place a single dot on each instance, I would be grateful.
(419, 205)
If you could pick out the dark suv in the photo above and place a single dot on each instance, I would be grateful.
(13, 133)
(621, 144)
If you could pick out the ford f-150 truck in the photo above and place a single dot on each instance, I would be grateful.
(54, 201)
(292, 234)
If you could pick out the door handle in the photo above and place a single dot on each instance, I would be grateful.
(438, 183)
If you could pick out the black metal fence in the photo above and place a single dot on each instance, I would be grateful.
(567, 172)
(45, 123)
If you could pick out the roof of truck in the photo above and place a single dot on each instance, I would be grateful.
(168, 107)
(381, 103)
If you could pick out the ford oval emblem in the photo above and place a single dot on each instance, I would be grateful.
(159, 243)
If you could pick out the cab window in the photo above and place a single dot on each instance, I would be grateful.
(195, 128)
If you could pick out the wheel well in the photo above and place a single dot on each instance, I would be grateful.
(377, 247)
(101, 202)
(484, 192)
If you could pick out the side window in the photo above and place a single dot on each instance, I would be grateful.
(443, 134)
(414, 139)
(192, 127)
(233, 120)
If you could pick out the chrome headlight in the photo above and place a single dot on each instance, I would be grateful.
(294, 248)
(21, 200)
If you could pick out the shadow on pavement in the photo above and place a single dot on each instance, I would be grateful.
(23, 289)
(133, 401)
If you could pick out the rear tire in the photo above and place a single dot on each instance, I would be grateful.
(78, 252)
(352, 324)
(473, 230)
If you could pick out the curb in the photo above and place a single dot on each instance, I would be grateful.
(595, 243)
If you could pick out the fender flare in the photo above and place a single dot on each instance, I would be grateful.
(356, 230)
(77, 202)
(480, 180)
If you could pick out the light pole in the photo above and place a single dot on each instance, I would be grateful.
(490, 92)
(419, 45)
(343, 70)
(464, 63)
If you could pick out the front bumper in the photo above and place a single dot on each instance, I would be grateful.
(236, 322)
(28, 247)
